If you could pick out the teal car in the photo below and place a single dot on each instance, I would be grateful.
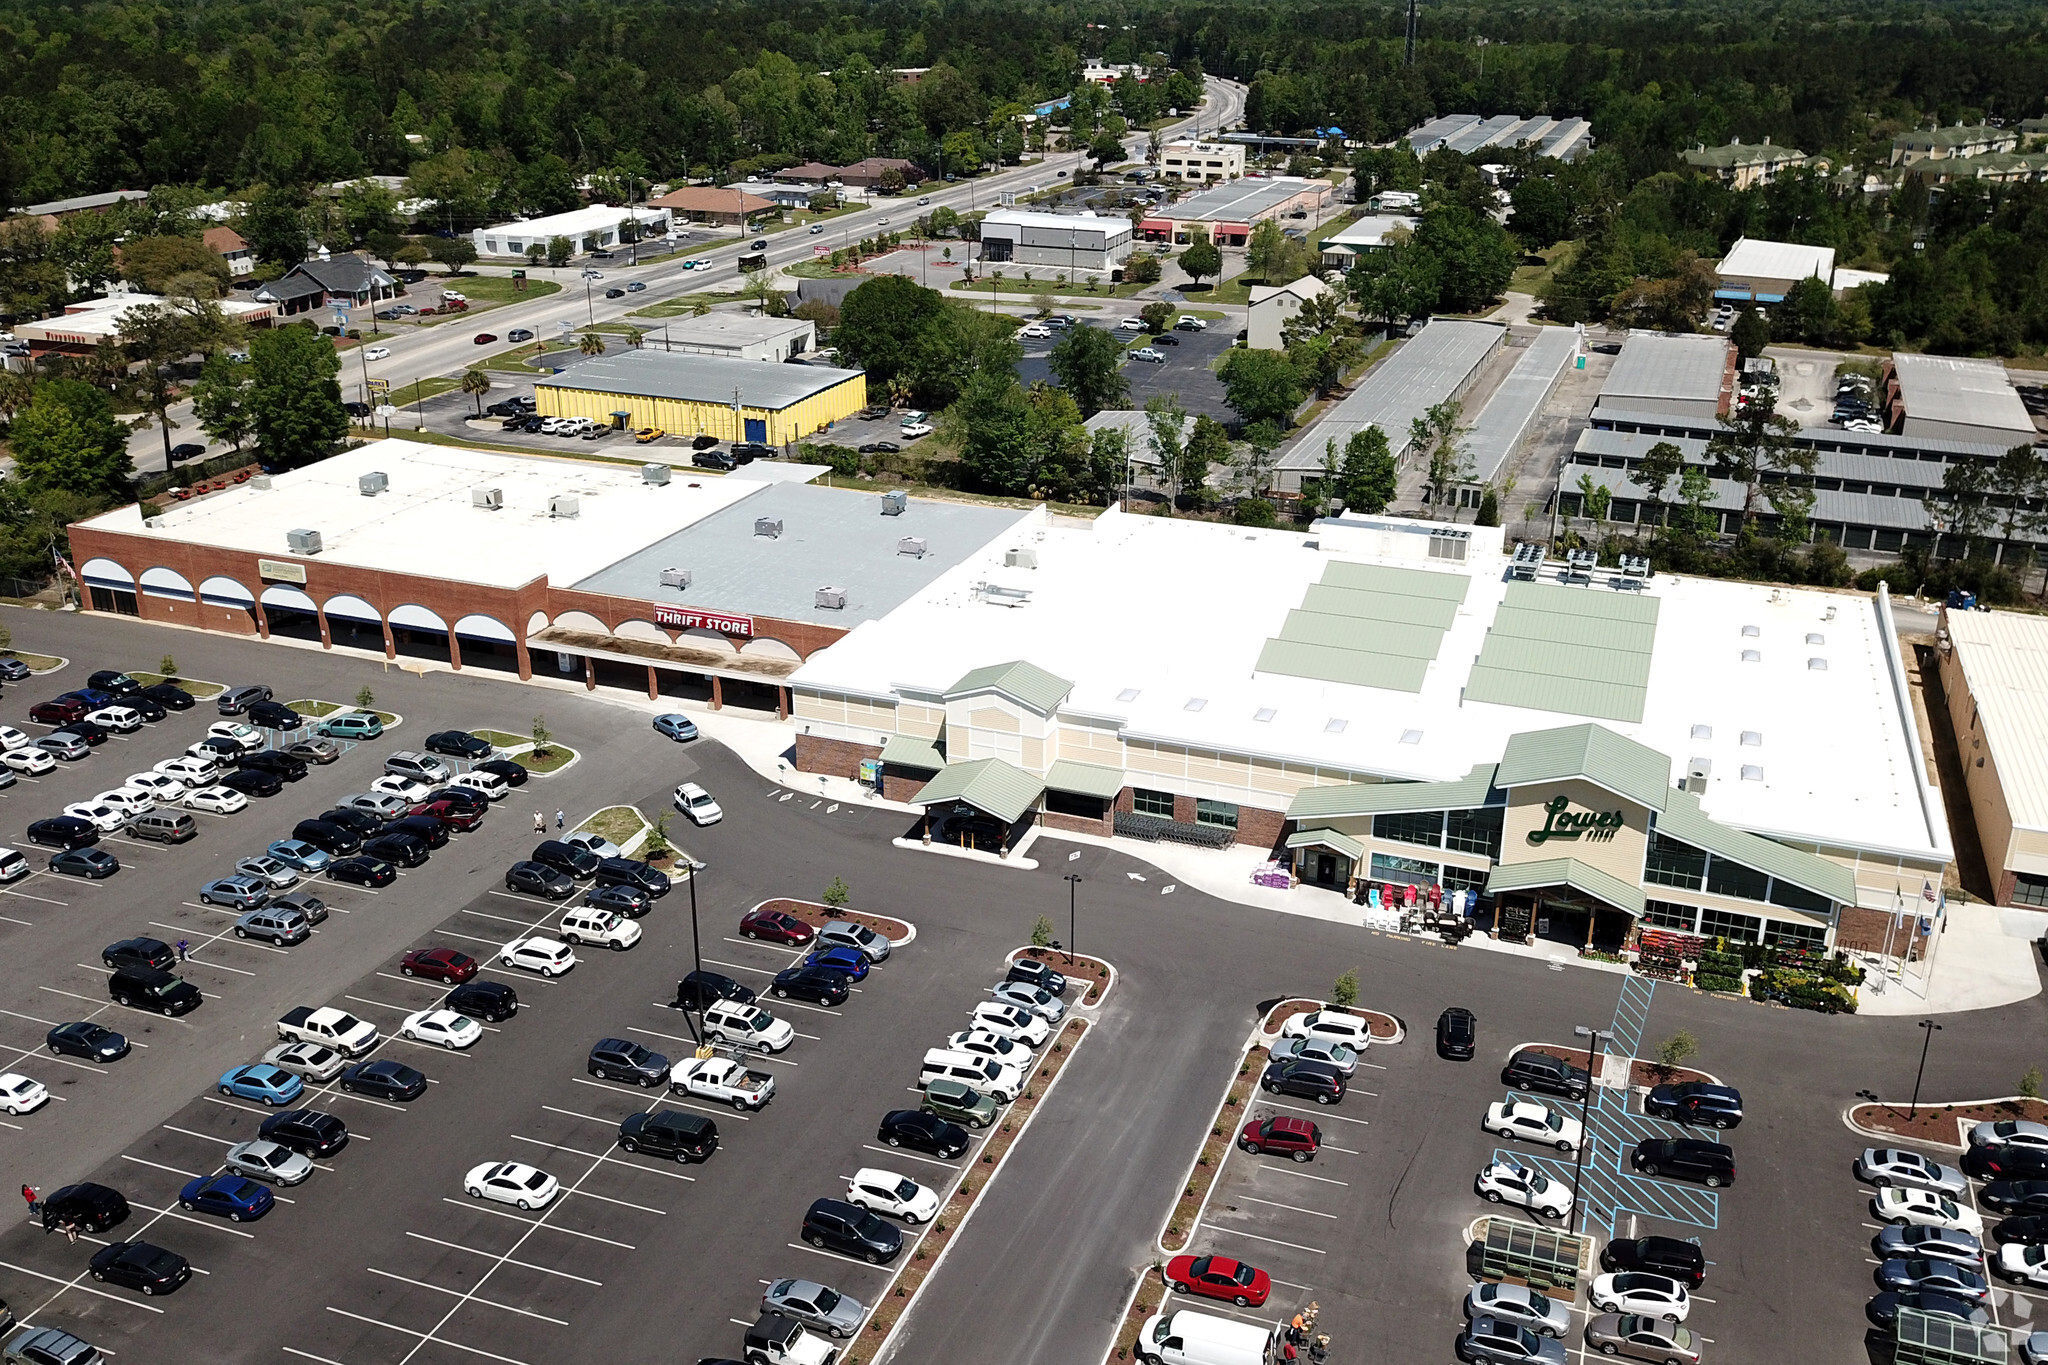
(950, 1099)
(350, 725)
(297, 853)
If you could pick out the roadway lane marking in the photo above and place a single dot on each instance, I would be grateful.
(466, 1297)
(898, 1151)
(1236, 1232)
(523, 1265)
(534, 1223)
(1291, 1208)
(425, 1337)
(597, 1156)
(1286, 1170)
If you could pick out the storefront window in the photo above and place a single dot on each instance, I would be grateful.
(2029, 890)
(1733, 879)
(1220, 813)
(1669, 915)
(1728, 925)
(1464, 879)
(1798, 898)
(1783, 933)
(1388, 868)
(1411, 827)
(1152, 803)
(1671, 863)
(1474, 831)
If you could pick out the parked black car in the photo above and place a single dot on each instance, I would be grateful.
(1696, 1102)
(254, 782)
(94, 1042)
(621, 1059)
(490, 1001)
(667, 1132)
(140, 1265)
(538, 879)
(429, 830)
(714, 459)
(330, 835)
(1032, 972)
(629, 901)
(577, 862)
(1457, 1034)
(2005, 1163)
(63, 831)
(306, 1131)
(513, 773)
(1710, 1163)
(702, 990)
(276, 715)
(93, 863)
(2029, 1229)
(922, 1132)
(273, 761)
(1318, 1081)
(457, 744)
(2015, 1196)
(632, 872)
(386, 1080)
(152, 953)
(146, 988)
(371, 872)
(358, 822)
(746, 452)
(120, 684)
(1684, 1262)
(835, 1225)
(90, 1207)
(819, 985)
(405, 850)
(169, 696)
(1536, 1071)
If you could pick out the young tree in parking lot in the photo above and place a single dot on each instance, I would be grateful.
(2030, 1083)
(168, 667)
(838, 893)
(541, 736)
(657, 844)
(1344, 991)
(1041, 933)
(1157, 317)
(1676, 1050)
(364, 697)
(476, 384)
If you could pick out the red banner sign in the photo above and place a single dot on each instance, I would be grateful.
(683, 619)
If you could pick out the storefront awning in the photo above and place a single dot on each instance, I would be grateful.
(1001, 789)
(909, 751)
(1085, 779)
(1330, 839)
(1569, 872)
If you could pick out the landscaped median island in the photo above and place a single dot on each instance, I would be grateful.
(534, 757)
(39, 663)
(1642, 1072)
(898, 932)
(195, 687)
(1944, 1124)
(1077, 968)
(316, 709)
(620, 824)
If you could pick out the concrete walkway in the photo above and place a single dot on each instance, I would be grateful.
(1983, 959)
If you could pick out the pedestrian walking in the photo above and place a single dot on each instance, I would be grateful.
(28, 1194)
(184, 950)
(560, 820)
(71, 1233)
(540, 823)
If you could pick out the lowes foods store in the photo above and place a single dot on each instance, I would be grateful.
(1382, 704)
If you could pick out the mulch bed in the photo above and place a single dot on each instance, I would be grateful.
(1937, 1122)
(1151, 1293)
(1640, 1071)
(1074, 966)
(1383, 1025)
(895, 930)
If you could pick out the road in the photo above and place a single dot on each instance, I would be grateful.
(448, 349)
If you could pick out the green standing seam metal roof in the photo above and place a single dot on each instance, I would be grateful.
(1351, 632)
(1604, 670)
(1378, 578)
(909, 751)
(1367, 625)
(1593, 752)
(1328, 838)
(1567, 872)
(1084, 779)
(1019, 681)
(1416, 611)
(1004, 790)
(1569, 696)
(1600, 604)
(1683, 819)
(1392, 798)
(1361, 668)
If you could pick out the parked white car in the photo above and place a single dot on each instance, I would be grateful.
(1885, 1166)
(594, 844)
(1349, 1029)
(446, 1027)
(133, 800)
(30, 761)
(1518, 1116)
(511, 1182)
(1510, 1182)
(12, 739)
(2023, 1263)
(693, 801)
(897, 1196)
(101, 816)
(163, 789)
(733, 1022)
(312, 1063)
(608, 928)
(1925, 1209)
(248, 736)
(407, 789)
(1643, 1294)
(1199, 324)
(1006, 1019)
(1044, 1004)
(120, 719)
(218, 800)
(490, 786)
(1035, 331)
(538, 954)
(1130, 325)
(193, 772)
(911, 431)
(982, 1043)
(21, 1094)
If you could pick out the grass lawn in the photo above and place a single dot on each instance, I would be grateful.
(1237, 292)
(558, 755)
(819, 269)
(317, 709)
(616, 823)
(1534, 279)
(37, 663)
(423, 389)
(1043, 286)
(686, 303)
(499, 288)
(190, 686)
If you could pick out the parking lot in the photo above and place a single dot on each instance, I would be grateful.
(1189, 374)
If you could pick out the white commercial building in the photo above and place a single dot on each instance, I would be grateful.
(1203, 161)
(1341, 250)
(1074, 242)
(742, 336)
(1764, 272)
(593, 229)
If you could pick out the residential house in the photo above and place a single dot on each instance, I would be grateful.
(228, 244)
(1274, 306)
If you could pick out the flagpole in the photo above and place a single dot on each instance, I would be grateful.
(1934, 941)
(1891, 923)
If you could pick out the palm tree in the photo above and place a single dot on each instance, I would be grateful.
(476, 384)
(591, 344)
(634, 336)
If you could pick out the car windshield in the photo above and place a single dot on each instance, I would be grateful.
(1555, 1123)
(536, 1179)
(1538, 1183)
(828, 1299)
(760, 1019)
(704, 799)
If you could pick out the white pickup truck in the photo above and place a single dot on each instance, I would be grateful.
(723, 1081)
(337, 1029)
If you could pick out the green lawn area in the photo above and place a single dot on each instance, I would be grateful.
(1237, 291)
(37, 663)
(191, 686)
(422, 389)
(558, 755)
(686, 303)
(499, 288)
(317, 709)
(1206, 314)
(1534, 279)
(616, 823)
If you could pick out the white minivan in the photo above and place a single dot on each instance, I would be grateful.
(1185, 1337)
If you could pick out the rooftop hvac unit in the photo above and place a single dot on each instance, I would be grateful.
(1697, 771)
(1020, 559)
(259, 481)
(770, 527)
(656, 474)
(894, 503)
(913, 546)
(675, 578)
(303, 542)
(373, 483)
(562, 505)
(832, 598)
(490, 499)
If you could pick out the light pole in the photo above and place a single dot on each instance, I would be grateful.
(1073, 880)
(696, 948)
(1929, 1029)
(1594, 1038)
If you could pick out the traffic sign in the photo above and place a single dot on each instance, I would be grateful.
(380, 389)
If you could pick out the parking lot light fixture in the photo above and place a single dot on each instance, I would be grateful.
(1594, 1038)
(1928, 1028)
(1073, 880)
(696, 946)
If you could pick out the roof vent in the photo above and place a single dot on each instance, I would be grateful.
(1195, 703)
(770, 527)
(490, 499)
(1816, 665)
(1816, 638)
(1702, 732)
(373, 483)
(303, 542)
(1752, 739)
(1264, 714)
(1752, 656)
(675, 578)
(895, 503)
(1334, 725)
(914, 546)
(562, 505)
(1128, 694)
(259, 481)
(1697, 771)
(1411, 736)
(1752, 772)
(654, 474)
(833, 599)
(1750, 632)
(1020, 559)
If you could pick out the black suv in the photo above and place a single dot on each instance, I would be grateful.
(275, 762)
(632, 872)
(274, 714)
(577, 862)
(330, 835)
(617, 1059)
(350, 818)
(1457, 1034)
(1696, 1102)
(702, 990)
(146, 988)
(63, 831)
(308, 1132)
(1032, 972)
(1710, 1163)
(93, 1208)
(665, 1132)
(430, 830)
(746, 452)
(1535, 1071)
(1667, 1256)
(490, 1001)
(120, 684)
(170, 696)
(149, 953)
(1318, 1081)
(457, 744)
(404, 850)
(819, 985)
(835, 1225)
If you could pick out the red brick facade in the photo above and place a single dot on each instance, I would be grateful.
(834, 757)
(1078, 824)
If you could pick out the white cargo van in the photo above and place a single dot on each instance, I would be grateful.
(1185, 1337)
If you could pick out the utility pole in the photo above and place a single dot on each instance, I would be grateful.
(1411, 32)
(1928, 1029)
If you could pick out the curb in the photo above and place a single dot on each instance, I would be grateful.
(909, 934)
(889, 1340)
(1400, 1025)
(625, 849)
(1016, 953)
(513, 751)
(1014, 861)
(1879, 1135)
(348, 709)
(1130, 1299)
(62, 662)
(1710, 1077)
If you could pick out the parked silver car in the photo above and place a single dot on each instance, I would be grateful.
(2011, 1133)
(814, 1305)
(1520, 1305)
(1934, 1244)
(1885, 1166)
(265, 1160)
(1643, 1338)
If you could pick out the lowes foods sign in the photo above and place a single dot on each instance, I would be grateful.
(682, 619)
(1563, 823)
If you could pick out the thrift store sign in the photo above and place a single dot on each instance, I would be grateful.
(1561, 822)
(704, 620)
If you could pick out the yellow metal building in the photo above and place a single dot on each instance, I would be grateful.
(704, 395)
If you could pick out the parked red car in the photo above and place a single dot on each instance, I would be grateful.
(455, 814)
(442, 964)
(1215, 1277)
(776, 927)
(57, 712)
(1297, 1138)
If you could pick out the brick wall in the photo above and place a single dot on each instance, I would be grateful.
(1864, 930)
(1260, 828)
(898, 784)
(833, 757)
(1077, 824)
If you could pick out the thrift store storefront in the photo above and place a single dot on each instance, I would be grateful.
(1577, 835)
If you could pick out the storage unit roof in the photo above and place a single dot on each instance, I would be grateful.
(1427, 369)
(1978, 393)
(1654, 365)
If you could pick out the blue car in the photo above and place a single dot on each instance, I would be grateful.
(233, 1197)
(301, 855)
(91, 696)
(852, 961)
(677, 728)
(262, 1081)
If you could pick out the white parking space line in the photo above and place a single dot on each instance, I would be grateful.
(771, 947)
(1288, 1170)
(425, 1337)
(189, 1175)
(46, 1023)
(453, 1054)
(219, 1224)
(1291, 1208)
(536, 1223)
(307, 1355)
(740, 967)
(241, 1107)
(898, 1151)
(1320, 1111)
(23, 1053)
(523, 1265)
(467, 1297)
(1333, 1147)
(82, 1288)
(382, 1005)
(501, 919)
(623, 1203)
(229, 935)
(472, 938)
(598, 1156)
(1238, 1232)
(27, 897)
(26, 924)
(835, 1256)
(723, 1111)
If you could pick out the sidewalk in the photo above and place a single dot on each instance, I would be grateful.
(1982, 960)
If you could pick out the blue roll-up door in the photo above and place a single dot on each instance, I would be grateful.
(757, 429)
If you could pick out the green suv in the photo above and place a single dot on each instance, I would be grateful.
(958, 1101)
(351, 725)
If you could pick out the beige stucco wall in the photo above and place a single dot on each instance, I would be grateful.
(1620, 855)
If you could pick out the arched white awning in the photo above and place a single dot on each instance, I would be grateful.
(286, 598)
(105, 573)
(641, 630)
(536, 623)
(417, 618)
(478, 627)
(225, 592)
(162, 582)
(348, 607)
(582, 621)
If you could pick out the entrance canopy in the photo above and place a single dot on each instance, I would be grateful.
(1001, 789)
(908, 751)
(1330, 839)
(1580, 877)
